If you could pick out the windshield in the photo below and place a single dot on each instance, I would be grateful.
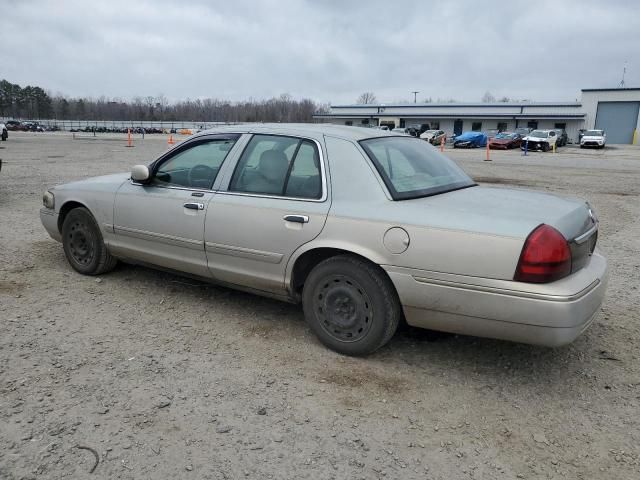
(411, 168)
(593, 133)
(506, 135)
(539, 134)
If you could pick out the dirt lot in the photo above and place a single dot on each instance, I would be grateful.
(169, 378)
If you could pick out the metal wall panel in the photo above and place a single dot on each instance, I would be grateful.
(618, 120)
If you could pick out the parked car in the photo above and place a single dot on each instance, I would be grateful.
(593, 138)
(4, 133)
(470, 140)
(505, 141)
(32, 127)
(434, 137)
(523, 131)
(562, 136)
(539, 140)
(13, 125)
(397, 230)
(401, 130)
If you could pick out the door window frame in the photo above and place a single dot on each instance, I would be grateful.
(153, 167)
(224, 190)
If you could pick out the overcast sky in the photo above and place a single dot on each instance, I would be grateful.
(330, 51)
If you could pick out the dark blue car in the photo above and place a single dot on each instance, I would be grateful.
(470, 140)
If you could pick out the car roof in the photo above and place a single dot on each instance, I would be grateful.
(313, 130)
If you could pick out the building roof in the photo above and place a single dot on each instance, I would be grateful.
(506, 110)
(462, 105)
(625, 89)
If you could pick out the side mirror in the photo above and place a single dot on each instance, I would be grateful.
(140, 173)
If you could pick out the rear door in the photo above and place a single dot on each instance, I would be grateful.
(162, 222)
(276, 200)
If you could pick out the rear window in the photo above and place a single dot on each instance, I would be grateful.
(412, 168)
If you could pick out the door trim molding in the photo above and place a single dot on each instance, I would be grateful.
(159, 237)
(249, 253)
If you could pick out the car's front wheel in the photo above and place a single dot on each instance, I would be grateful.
(83, 244)
(351, 305)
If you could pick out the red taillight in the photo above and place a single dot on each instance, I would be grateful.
(545, 257)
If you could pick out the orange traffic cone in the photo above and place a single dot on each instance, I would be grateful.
(129, 139)
(171, 141)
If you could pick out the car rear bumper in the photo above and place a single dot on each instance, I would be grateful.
(550, 315)
(49, 219)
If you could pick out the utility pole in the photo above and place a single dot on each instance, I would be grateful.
(415, 95)
(624, 71)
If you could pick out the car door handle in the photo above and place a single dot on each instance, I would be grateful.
(194, 206)
(296, 218)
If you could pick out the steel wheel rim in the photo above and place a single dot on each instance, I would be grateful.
(81, 243)
(343, 308)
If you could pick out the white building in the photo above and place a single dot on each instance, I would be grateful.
(614, 110)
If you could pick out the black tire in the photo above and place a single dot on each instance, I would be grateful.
(83, 244)
(545, 147)
(351, 305)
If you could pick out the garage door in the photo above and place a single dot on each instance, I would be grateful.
(618, 120)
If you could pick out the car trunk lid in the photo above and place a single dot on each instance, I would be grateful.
(510, 213)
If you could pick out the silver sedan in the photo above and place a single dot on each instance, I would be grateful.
(361, 226)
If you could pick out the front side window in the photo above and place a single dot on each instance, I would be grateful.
(280, 166)
(196, 166)
(411, 168)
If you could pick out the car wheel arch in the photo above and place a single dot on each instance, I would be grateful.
(307, 261)
(66, 208)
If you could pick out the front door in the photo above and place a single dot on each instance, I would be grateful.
(276, 201)
(162, 222)
(457, 127)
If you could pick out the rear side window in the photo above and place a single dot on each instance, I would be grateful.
(411, 168)
(279, 166)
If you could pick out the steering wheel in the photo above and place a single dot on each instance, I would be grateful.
(200, 174)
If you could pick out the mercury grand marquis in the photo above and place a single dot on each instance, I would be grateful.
(363, 227)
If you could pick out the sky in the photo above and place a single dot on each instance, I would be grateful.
(328, 50)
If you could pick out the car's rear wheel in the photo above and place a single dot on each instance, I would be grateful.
(83, 244)
(351, 305)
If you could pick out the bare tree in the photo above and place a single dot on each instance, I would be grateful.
(504, 100)
(488, 97)
(367, 98)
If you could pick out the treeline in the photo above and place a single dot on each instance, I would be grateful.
(34, 103)
(27, 102)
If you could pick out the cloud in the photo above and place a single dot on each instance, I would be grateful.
(328, 50)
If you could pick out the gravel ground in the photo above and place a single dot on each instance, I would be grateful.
(166, 377)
